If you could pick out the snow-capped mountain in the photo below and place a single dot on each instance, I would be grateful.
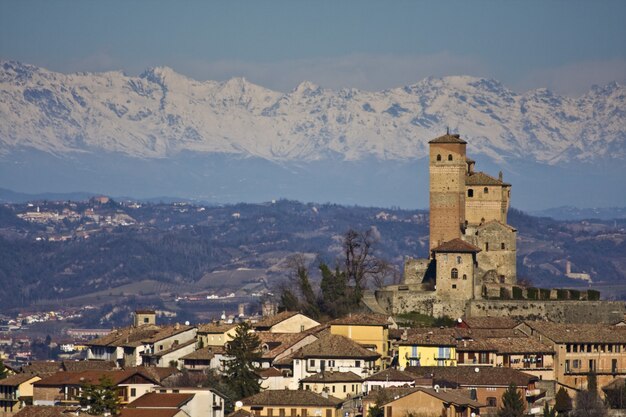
(161, 113)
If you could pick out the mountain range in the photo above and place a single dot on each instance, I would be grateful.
(162, 129)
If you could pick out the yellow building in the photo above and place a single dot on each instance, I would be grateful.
(15, 390)
(215, 334)
(427, 349)
(338, 384)
(369, 330)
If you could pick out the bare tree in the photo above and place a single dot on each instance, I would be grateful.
(359, 262)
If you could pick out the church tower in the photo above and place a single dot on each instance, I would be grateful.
(447, 166)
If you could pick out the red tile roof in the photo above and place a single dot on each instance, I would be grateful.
(158, 400)
(448, 138)
(362, 319)
(457, 246)
(291, 398)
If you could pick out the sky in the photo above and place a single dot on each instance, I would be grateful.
(566, 46)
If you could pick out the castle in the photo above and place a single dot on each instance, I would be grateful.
(471, 268)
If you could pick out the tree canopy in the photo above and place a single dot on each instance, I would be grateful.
(512, 403)
(243, 350)
(100, 398)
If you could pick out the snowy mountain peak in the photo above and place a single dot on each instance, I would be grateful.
(162, 112)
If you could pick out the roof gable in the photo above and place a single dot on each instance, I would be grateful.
(456, 246)
(448, 138)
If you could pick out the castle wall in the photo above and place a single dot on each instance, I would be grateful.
(458, 285)
(483, 207)
(397, 301)
(415, 271)
(490, 239)
(572, 311)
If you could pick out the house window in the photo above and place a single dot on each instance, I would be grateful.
(454, 273)
(312, 363)
(486, 190)
(307, 387)
(345, 389)
(492, 402)
(459, 260)
(470, 193)
(333, 388)
(502, 246)
(133, 392)
(438, 157)
(145, 320)
(270, 412)
(357, 364)
(281, 412)
(449, 157)
(294, 412)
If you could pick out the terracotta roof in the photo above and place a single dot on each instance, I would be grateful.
(448, 138)
(489, 333)
(126, 336)
(490, 322)
(335, 346)
(158, 400)
(206, 353)
(166, 332)
(269, 372)
(455, 397)
(429, 339)
(15, 380)
(291, 398)
(277, 343)
(45, 411)
(78, 366)
(475, 346)
(457, 246)
(318, 331)
(215, 328)
(145, 312)
(480, 178)
(271, 321)
(90, 377)
(362, 319)
(519, 345)
(42, 367)
(390, 392)
(579, 333)
(328, 377)
(155, 372)
(467, 375)
(391, 374)
(148, 412)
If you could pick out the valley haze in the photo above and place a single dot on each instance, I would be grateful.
(162, 133)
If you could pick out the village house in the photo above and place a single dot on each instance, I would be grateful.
(582, 348)
(486, 384)
(64, 388)
(15, 392)
(155, 404)
(286, 322)
(290, 403)
(338, 384)
(368, 329)
(401, 402)
(432, 348)
(208, 357)
(214, 334)
(390, 377)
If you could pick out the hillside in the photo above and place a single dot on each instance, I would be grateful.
(113, 251)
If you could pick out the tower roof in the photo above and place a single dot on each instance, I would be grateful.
(448, 138)
(480, 178)
(456, 246)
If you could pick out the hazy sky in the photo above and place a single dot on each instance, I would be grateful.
(563, 45)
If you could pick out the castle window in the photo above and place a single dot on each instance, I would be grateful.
(464, 276)
(438, 157)
(454, 286)
(486, 190)
(450, 157)
(470, 193)
(454, 273)
(459, 259)
(486, 246)
(502, 246)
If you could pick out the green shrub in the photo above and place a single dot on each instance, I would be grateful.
(532, 293)
(562, 294)
(593, 295)
(518, 293)
(504, 294)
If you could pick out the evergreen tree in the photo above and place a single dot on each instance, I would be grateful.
(512, 403)
(100, 398)
(334, 292)
(3, 370)
(563, 403)
(288, 300)
(310, 299)
(243, 350)
(547, 412)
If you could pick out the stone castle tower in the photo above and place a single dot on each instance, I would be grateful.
(472, 249)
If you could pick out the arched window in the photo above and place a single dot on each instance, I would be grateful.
(464, 276)
(502, 246)
(438, 157)
(486, 190)
(455, 273)
(470, 193)
(449, 157)
(459, 259)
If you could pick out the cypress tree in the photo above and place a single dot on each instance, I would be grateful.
(244, 349)
(512, 403)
